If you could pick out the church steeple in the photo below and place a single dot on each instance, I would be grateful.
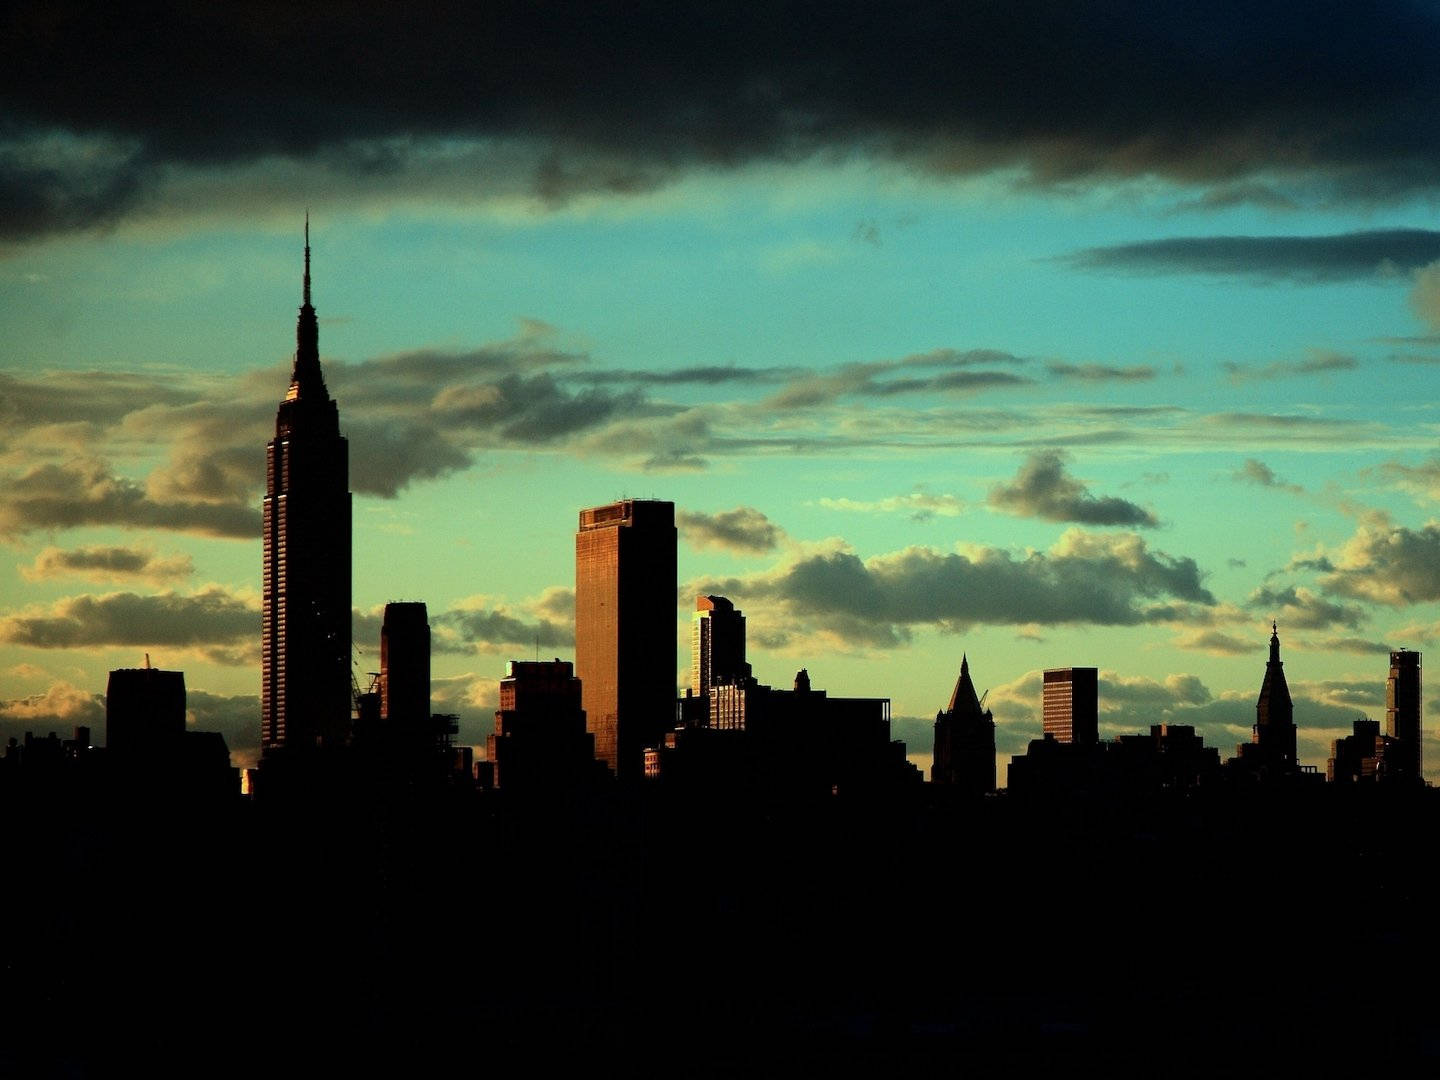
(1274, 643)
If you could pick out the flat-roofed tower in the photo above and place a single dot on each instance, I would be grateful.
(1070, 704)
(1403, 715)
(306, 689)
(625, 627)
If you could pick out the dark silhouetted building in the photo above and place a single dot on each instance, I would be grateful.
(306, 683)
(1361, 757)
(783, 742)
(144, 707)
(625, 623)
(964, 740)
(1271, 751)
(1171, 758)
(405, 665)
(540, 739)
(148, 749)
(1070, 703)
(717, 645)
(1404, 716)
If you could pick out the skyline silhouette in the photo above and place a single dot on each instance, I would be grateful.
(1107, 354)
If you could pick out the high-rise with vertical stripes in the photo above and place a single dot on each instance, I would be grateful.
(306, 684)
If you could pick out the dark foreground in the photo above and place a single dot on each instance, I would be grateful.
(650, 934)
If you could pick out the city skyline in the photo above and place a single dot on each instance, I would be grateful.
(1075, 396)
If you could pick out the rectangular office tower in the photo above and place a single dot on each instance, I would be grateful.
(1403, 716)
(1071, 703)
(405, 665)
(625, 623)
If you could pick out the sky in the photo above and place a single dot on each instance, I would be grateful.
(1049, 335)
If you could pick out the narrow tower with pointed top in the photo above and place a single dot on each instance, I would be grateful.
(964, 740)
(306, 691)
(1272, 746)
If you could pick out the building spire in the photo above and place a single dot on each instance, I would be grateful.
(307, 258)
(306, 381)
(1274, 642)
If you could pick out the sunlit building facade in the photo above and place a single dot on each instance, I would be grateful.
(1070, 703)
(625, 624)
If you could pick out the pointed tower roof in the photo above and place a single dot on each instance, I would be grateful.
(1274, 703)
(306, 380)
(964, 701)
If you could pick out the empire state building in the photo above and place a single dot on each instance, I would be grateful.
(306, 682)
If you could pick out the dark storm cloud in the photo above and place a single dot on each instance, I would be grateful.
(103, 103)
(213, 621)
(1342, 257)
(70, 495)
(1043, 489)
(1085, 579)
(743, 529)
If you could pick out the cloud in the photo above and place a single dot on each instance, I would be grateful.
(1302, 609)
(1350, 645)
(1255, 471)
(1043, 489)
(109, 564)
(920, 505)
(85, 492)
(237, 718)
(743, 530)
(1425, 295)
(1215, 642)
(478, 625)
(1088, 579)
(1320, 362)
(702, 376)
(551, 103)
(212, 622)
(1100, 372)
(1352, 256)
(1422, 479)
(1387, 564)
(60, 709)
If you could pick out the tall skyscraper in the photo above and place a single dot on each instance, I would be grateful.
(306, 683)
(405, 665)
(964, 740)
(1070, 703)
(625, 621)
(717, 645)
(1403, 716)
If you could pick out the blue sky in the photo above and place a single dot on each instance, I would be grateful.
(1053, 338)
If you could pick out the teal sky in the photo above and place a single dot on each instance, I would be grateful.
(1109, 393)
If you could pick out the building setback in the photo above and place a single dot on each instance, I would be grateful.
(625, 621)
(306, 682)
